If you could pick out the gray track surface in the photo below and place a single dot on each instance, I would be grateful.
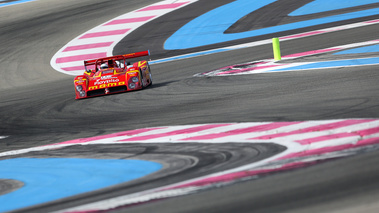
(7, 186)
(37, 105)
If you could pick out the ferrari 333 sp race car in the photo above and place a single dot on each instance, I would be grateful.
(113, 74)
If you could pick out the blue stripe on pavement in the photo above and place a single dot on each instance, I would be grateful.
(319, 6)
(368, 49)
(210, 27)
(189, 55)
(14, 2)
(54, 178)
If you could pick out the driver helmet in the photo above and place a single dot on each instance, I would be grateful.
(104, 66)
(118, 64)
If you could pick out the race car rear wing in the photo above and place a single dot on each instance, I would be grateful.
(137, 54)
(118, 57)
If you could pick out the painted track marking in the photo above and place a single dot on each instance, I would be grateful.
(11, 3)
(209, 28)
(112, 32)
(306, 142)
(319, 6)
(56, 178)
(270, 65)
(100, 41)
(69, 59)
(268, 41)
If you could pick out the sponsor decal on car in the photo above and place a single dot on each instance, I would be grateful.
(80, 81)
(106, 77)
(141, 63)
(106, 85)
(112, 80)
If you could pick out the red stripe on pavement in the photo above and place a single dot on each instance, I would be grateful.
(163, 6)
(326, 150)
(318, 151)
(80, 57)
(311, 52)
(259, 128)
(373, 21)
(176, 132)
(318, 128)
(326, 137)
(77, 68)
(119, 134)
(368, 131)
(249, 69)
(130, 20)
(303, 34)
(368, 141)
(359, 133)
(238, 175)
(105, 33)
(87, 46)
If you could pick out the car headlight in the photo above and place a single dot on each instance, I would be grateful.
(79, 88)
(132, 85)
(135, 79)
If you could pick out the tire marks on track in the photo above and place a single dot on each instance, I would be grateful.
(306, 142)
(70, 168)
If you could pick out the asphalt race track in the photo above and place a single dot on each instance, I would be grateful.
(38, 107)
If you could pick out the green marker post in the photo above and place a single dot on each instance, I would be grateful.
(276, 48)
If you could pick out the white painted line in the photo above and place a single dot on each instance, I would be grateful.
(131, 21)
(110, 32)
(270, 65)
(12, 3)
(268, 41)
(321, 135)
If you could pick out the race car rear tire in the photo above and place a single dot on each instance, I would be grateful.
(142, 84)
(150, 75)
(151, 79)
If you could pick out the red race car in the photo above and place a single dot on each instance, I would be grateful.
(113, 74)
